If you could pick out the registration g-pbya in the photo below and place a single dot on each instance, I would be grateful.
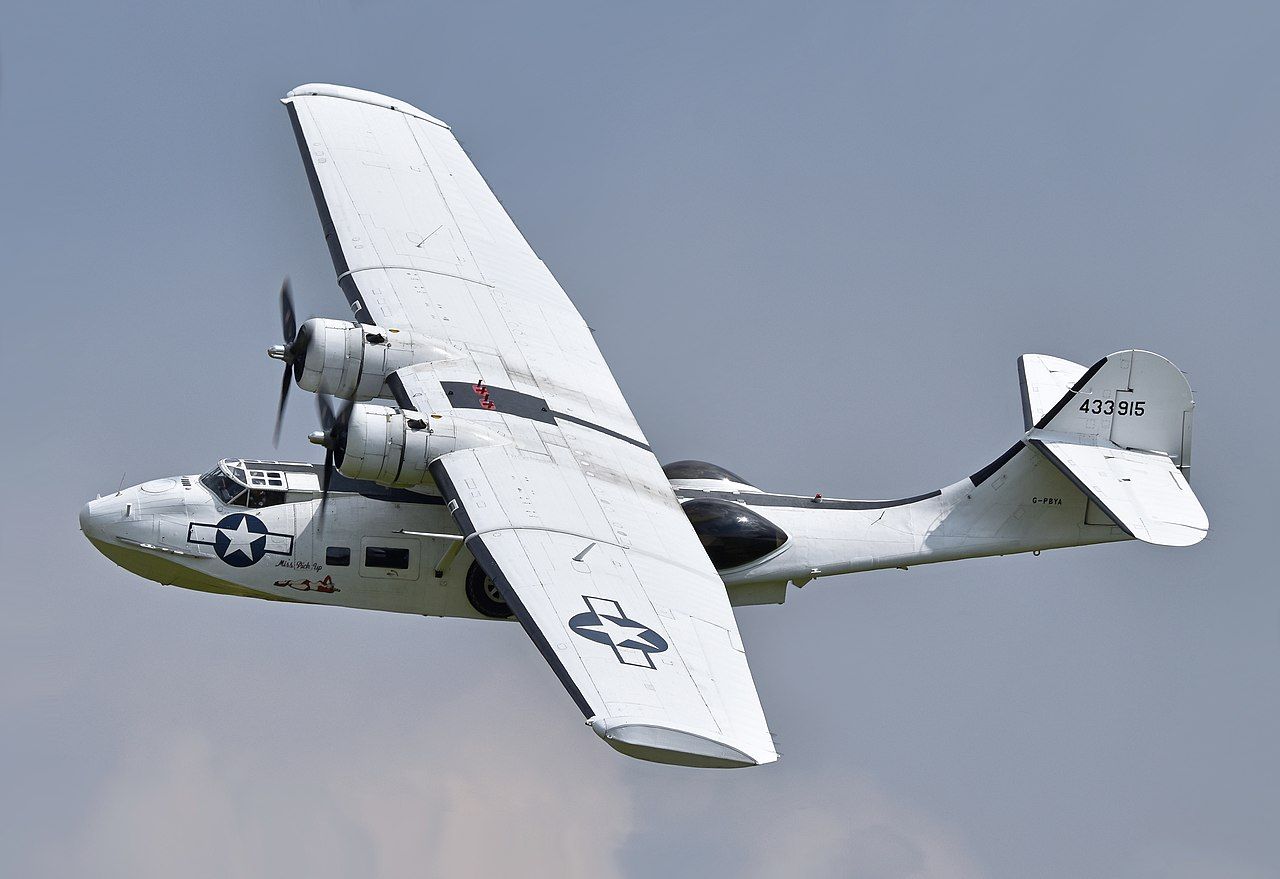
(480, 462)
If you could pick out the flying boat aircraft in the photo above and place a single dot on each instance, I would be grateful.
(481, 462)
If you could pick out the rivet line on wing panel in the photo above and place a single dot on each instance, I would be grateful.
(631, 549)
(351, 272)
(428, 165)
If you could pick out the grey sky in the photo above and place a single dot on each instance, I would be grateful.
(812, 240)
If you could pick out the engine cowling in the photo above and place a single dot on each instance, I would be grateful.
(353, 360)
(393, 447)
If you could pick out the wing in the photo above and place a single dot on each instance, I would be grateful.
(570, 513)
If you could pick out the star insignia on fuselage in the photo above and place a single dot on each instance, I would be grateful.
(242, 543)
(240, 539)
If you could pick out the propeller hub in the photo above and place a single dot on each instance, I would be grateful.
(279, 352)
(319, 437)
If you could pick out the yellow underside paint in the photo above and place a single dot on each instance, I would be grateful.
(170, 573)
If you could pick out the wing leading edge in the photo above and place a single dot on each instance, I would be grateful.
(566, 508)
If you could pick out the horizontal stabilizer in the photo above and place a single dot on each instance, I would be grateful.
(1045, 380)
(1143, 492)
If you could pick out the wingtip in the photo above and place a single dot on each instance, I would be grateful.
(1173, 533)
(646, 740)
(363, 96)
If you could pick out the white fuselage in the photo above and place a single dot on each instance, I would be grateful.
(400, 550)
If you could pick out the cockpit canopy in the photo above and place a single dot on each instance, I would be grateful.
(254, 484)
(701, 471)
(732, 534)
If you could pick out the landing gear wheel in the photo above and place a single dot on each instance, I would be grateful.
(483, 594)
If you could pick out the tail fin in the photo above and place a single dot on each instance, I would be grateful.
(1044, 381)
(1122, 434)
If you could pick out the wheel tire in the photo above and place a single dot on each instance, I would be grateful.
(483, 594)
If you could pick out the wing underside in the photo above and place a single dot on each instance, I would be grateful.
(565, 506)
(638, 637)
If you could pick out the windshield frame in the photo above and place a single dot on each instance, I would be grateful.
(223, 487)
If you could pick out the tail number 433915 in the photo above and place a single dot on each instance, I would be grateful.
(1109, 407)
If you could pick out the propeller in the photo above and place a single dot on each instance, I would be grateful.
(333, 436)
(293, 352)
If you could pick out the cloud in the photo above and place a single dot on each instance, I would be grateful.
(1180, 861)
(496, 814)
(854, 828)
(431, 803)
(437, 799)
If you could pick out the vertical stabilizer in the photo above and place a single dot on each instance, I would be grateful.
(1044, 380)
(1122, 434)
(1131, 399)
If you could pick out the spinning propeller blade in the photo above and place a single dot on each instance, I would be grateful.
(288, 321)
(333, 436)
(285, 382)
(289, 352)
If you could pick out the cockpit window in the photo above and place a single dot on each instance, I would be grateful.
(259, 498)
(222, 487)
(226, 486)
(273, 478)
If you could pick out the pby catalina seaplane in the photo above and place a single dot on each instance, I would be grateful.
(510, 479)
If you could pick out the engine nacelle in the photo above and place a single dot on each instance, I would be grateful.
(393, 447)
(353, 360)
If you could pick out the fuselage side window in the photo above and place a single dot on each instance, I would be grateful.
(386, 557)
(338, 556)
(259, 498)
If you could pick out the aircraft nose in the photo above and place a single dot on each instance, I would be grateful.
(102, 517)
(91, 520)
